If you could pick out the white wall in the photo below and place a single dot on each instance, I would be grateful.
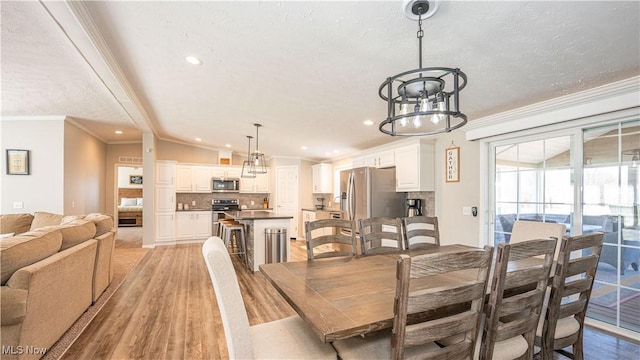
(42, 190)
(123, 177)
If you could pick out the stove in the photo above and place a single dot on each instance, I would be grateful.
(224, 205)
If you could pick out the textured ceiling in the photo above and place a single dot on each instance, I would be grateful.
(308, 71)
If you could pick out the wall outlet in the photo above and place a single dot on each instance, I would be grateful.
(253, 202)
(466, 210)
(193, 203)
(18, 205)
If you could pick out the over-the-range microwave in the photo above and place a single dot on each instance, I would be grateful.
(225, 185)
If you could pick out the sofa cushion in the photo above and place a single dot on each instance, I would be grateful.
(25, 249)
(15, 223)
(42, 219)
(69, 218)
(104, 222)
(75, 232)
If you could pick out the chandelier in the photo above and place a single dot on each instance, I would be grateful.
(423, 101)
(257, 157)
(248, 165)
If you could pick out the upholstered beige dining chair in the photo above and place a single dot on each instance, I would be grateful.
(529, 230)
(518, 287)
(380, 235)
(562, 320)
(325, 238)
(288, 338)
(420, 232)
(439, 295)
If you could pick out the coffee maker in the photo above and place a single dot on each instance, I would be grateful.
(414, 207)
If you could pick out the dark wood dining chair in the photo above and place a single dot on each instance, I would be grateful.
(433, 300)
(325, 238)
(380, 235)
(518, 286)
(420, 232)
(562, 323)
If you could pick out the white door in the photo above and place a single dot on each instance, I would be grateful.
(287, 195)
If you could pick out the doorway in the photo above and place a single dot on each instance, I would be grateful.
(128, 197)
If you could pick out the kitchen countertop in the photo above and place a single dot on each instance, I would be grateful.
(195, 209)
(324, 210)
(256, 215)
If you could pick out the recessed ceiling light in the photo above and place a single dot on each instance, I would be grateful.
(327, 153)
(303, 147)
(118, 132)
(193, 60)
(198, 139)
(368, 122)
(227, 145)
(336, 151)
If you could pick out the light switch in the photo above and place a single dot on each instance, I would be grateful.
(18, 205)
(466, 210)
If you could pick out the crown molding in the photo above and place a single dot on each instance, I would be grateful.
(611, 97)
(34, 118)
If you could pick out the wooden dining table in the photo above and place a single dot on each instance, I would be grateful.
(342, 297)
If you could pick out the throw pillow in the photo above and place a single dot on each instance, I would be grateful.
(15, 223)
(138, 201)
(42, 219)
(128, 202)
(7, 235)
(104, 222)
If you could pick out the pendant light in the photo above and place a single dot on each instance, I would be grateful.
(259, 163)
(247, 165)
(423, 101)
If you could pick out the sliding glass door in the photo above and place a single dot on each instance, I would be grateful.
(588, 179)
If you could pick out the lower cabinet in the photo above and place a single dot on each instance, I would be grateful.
(193, 225)
(165, 226)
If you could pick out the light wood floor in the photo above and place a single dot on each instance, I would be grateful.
(166, 309)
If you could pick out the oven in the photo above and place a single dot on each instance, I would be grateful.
(218, 208)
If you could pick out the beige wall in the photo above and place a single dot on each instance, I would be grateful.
(42, 190)
(84, 172)
(167, 150)
(451, 197)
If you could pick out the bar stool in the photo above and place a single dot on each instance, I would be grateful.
(233, 234)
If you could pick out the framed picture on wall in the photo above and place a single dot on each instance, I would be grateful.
(17, 162)
(452, 164)
(135, 179)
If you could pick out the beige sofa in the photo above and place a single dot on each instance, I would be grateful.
(52, 268)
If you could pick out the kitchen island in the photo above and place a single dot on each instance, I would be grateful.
(256, 222)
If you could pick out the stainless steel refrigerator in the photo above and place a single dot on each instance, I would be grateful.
(370, 192)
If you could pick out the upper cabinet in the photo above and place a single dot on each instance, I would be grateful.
(231, 172)
(322, 178)
(381, 159)
(197, 178)
(193, 178)
(415, 167)
(259, 184)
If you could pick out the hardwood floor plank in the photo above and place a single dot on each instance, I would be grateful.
(166, 309)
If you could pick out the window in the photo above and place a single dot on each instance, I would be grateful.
(587, 179)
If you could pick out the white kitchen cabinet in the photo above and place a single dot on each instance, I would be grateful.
(259, 184)
(193, 225)
(415, 167)
(194, 178)
(184, 175)
(165, 202)
(382, 159)
(322, 178)
(226, 172)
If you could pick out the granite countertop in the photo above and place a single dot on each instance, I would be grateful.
(256, 215)
(324, 210)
